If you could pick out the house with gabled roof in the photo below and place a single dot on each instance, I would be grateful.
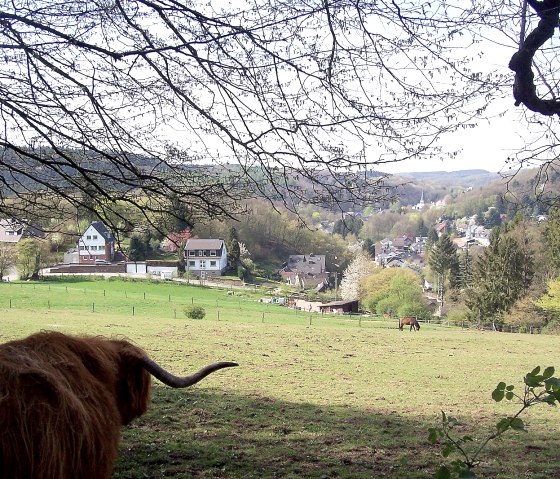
(402, 243)
(206, 257)
(96, 245)
(386, 244)
(305, 271)
(12, 231)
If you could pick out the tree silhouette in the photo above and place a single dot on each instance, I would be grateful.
(169, 107)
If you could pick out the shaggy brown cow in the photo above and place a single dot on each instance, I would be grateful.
(63, 400)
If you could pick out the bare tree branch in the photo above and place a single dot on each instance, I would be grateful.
(524, 88)
(167, 108)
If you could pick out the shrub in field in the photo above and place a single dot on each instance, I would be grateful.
(414, 310)
(195, 312)
(539, 389)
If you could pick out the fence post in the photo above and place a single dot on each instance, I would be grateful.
(132, 310)
(262, 318)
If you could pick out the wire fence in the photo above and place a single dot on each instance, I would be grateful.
(135, 299)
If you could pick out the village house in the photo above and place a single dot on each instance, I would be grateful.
(305, 271)
(206, 257)
(402, 243)
(12, 231)
(96, 245)
(386, 244)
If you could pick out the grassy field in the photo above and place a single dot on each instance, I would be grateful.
(314, 397)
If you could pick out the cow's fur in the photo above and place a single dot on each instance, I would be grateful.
(63, 400)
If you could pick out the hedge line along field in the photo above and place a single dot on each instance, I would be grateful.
(328, 399)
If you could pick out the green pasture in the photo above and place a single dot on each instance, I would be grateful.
(156, 299)
(313, 397)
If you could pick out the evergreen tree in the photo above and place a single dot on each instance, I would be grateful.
(234, 251)
(465, 270)
(492, 218)
(498, 280)
(369, 247)
(349, 225)
(181, 217)
(137, 250)
(432, 238)
(443, 261)
(552, 240)
(422, 229)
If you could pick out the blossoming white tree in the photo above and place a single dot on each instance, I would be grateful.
(358, 269)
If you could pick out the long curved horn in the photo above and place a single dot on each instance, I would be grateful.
(181, 382)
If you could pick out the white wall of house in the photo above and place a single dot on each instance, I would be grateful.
(209, 264)
(206, 257)
(92, 245)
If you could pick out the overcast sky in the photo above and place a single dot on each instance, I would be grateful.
(484, 147)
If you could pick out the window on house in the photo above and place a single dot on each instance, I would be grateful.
(213, 253)
(191, 253)
(212, 264)
(94, 237)
(202, 264)
(192, 264)
(199, 252)
(93, 248)
(88, 237)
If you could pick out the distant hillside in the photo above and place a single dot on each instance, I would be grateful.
(435, 185)
(531, 189)
(459, 179)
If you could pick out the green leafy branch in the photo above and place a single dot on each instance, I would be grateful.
(539, 389)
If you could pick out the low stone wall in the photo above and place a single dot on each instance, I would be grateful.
(88, 269)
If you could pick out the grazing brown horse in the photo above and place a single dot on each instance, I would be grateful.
(408, 320)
